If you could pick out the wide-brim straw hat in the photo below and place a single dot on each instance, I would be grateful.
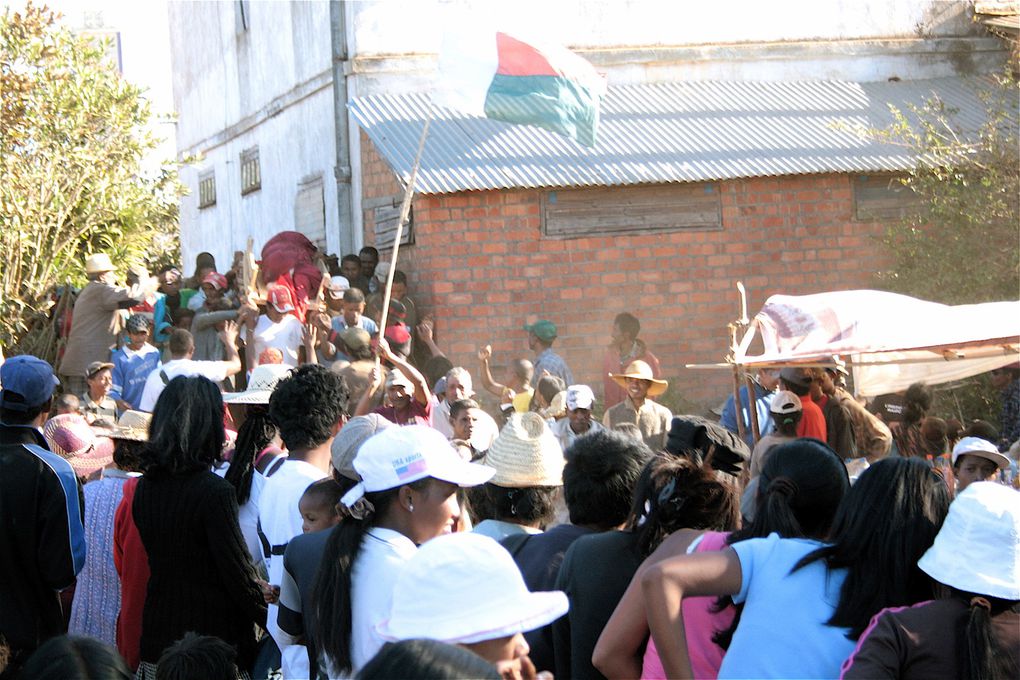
(70, 437)
(526, 453)
(464, 588)
(132, 426)
(261, 384)
(641, 371)
(978, 548)
(98, 263)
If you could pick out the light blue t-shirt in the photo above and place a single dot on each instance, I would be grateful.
(782, 632)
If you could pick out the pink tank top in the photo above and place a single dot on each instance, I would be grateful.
(700, 624)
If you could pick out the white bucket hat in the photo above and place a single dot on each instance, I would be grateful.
(465, 588)
(982, 448)
(526, 453)
(261, 384)
(401, 455)
(978, 548)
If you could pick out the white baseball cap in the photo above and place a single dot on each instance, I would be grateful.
(463, 588)
(580, 396)
(982, 448)
(400, 455)
(978, 548)
(337, 286)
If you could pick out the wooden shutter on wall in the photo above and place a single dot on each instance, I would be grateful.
(385, 215)
(881, 198)
(310, 211)
(571, 213)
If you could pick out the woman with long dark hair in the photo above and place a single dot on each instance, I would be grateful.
(201, 578)
(671, 494)
(973, 631)
(408, 495)
(806, 601)
(803, 483)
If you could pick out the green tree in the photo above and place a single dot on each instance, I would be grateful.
(961, 244)
(72, 140)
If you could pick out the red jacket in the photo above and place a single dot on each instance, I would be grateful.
(133, 567)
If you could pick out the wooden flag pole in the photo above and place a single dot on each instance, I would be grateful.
(405, 211)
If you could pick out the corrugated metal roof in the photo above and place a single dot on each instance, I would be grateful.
(661, 133)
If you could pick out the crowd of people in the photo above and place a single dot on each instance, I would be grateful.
(230, 480)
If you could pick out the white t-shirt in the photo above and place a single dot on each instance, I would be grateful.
(380, 561)
(213, 370)
(286, 336)
(280, 518)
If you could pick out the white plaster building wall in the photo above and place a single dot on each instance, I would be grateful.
(268, 86)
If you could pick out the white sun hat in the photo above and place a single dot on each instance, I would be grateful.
(526, 453)
(978, 548)
(260, 385)
(401, 455)
(463, 588)
(982, 448)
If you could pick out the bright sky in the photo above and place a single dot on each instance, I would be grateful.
(144, 49)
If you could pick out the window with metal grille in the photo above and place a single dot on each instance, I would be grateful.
(571, 213)
(207, 189)
(882, 197)
(251, 173)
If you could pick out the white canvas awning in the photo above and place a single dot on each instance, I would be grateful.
(892, 340)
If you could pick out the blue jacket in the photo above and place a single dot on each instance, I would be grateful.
(130, 372)
(763, 399)
(42, 540)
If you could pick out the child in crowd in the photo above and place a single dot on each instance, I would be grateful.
(318, 506)
(976, 460)
(132, 364)
(197, 656)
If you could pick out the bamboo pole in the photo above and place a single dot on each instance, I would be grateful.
(405, 211)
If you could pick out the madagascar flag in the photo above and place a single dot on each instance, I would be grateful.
(505, 78)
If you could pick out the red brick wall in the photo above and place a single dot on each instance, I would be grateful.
(482, 265)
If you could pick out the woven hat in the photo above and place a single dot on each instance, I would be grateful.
(349, 439)
(526, 453)
(785, 402)
(133, 426)
(260, 385)
(98, 263)
(982, 448)
(401, 455)
(70, 437)
(463, 588)
(641, 371)
(978, 548)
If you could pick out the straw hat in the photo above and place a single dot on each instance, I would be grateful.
(642, 371)
(978, 548)
(526, 453)
(133, 426)
(463, 588)
(98, 263)
(260, 385)
(70, 437)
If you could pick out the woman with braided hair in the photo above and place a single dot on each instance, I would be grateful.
(806, 601)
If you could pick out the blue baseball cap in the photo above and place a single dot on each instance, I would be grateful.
(28, 377)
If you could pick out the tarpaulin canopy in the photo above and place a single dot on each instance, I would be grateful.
(892, 340)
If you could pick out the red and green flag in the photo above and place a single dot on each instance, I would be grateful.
(503, 77)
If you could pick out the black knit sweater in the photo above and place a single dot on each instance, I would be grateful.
(201, 578)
